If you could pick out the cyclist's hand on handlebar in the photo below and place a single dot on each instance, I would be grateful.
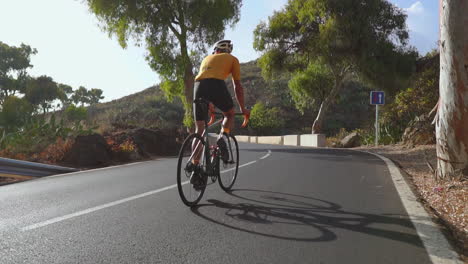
(246, 113)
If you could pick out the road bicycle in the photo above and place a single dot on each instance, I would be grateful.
(214, 165)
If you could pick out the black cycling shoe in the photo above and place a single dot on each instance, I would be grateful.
(195, 178)
(223, 149)
(191, 167)
(197, 181)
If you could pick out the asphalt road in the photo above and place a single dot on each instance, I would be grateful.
(294, 206)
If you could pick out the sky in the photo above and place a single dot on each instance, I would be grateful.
(73, 50)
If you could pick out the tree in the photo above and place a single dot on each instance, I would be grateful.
(95, 95)
(15, 113)
(41, 92)
(322, 42)
(311, 86)
(264, 120)
(173, 31)
(65, 93)
(81, 96)
(452, 116)
(14, 61)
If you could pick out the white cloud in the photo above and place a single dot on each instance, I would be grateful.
(416, 8)
(422, 23)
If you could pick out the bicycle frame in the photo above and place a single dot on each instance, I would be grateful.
(209, 157)
(206, 150)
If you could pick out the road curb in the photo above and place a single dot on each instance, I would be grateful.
(437, 246)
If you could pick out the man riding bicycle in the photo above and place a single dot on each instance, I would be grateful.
(210, 85)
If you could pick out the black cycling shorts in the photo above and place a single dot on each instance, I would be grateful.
(215, 91)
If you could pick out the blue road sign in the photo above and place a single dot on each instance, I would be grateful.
(377, 98)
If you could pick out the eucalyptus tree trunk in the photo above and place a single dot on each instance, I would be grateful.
(189, 80)
(317, 126)
(452, 120)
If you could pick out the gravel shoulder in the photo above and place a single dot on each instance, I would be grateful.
(446, 201)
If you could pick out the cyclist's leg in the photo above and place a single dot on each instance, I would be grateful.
(220, 97)
(228, 121)
(196, 147)
(200, 113)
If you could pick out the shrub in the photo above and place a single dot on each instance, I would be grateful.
(414, 101)
(265, 121)
(15, 113)
(76, 114)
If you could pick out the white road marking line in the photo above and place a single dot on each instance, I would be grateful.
(436, 244)
(103, 206)
(240, 166)
(93, 209)
(267, 155)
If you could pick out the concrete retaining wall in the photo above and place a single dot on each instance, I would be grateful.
(292, 140)
(307, 140)
(277, 140)
(313, 140)
(243, 138)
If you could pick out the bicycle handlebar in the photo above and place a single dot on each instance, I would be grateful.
(244, 123)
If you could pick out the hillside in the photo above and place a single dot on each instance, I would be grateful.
(150, 109)
(147, 108)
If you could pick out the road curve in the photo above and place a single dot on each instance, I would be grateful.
(295, 205)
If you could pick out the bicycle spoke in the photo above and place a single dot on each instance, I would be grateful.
(229, 168)
(191, 190)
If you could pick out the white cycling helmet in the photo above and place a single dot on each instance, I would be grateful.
(224, 46)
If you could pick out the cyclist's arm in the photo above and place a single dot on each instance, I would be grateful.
(238, 86)
(239, 94)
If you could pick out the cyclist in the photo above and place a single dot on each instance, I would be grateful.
(210, 85)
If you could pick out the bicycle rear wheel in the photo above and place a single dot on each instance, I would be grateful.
(229, 168)
(190, 193)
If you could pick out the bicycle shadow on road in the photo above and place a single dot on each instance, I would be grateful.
(283, 211)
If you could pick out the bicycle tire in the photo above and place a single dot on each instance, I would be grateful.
(226, 183)
(183, 176)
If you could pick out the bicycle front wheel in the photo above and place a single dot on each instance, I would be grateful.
(229, 168)
(190, 190)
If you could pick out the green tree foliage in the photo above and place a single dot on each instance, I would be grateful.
(81, 95)
(76, 113)
(85, 96)
(15, 113)
(23, 130)
(368, 38)
(273, 93)
(14, 61)
(351, 109)
(264, 120)
(41, 92)
(65, 93)
(95, 95)
(418, 99)
(311, 86)
(172, 30)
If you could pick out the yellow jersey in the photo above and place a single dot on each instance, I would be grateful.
(219, 66)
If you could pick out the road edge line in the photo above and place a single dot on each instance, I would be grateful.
(433, 239)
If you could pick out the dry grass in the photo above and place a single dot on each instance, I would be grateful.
(447, 200)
